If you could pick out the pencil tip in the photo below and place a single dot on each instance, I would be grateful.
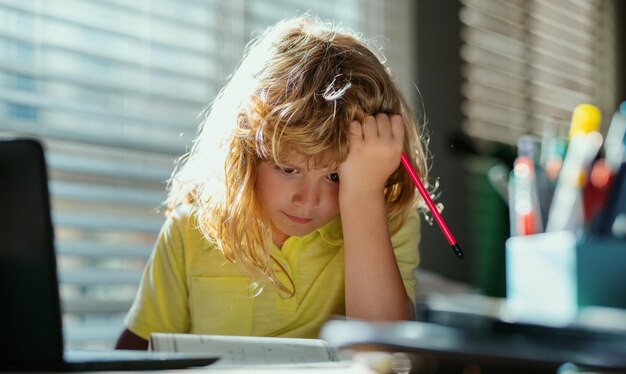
(458, 251)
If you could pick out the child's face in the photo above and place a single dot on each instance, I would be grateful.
(298, 200)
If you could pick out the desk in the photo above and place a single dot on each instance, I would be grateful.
(497, 350)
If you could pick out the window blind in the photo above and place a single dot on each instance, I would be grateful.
(114, 88)
(526, 60)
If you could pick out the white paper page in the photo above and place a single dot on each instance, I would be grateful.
(245, 350)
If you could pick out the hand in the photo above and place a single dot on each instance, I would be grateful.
(374, 153)
(373, 283)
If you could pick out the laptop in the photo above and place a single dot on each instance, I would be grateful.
(30, 313)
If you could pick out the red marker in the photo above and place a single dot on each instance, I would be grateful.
(433, 209)
(597, 188)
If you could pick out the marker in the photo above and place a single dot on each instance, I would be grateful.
(531, 190)
(512, 202)
(566, 211)
(498, 176)
(615, 142)
(431, 206)
(526, 206)
(596, 190)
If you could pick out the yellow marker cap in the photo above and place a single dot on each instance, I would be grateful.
(586, 118)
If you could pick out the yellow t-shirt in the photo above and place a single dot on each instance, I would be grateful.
(188, 287)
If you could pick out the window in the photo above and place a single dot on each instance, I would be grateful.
(114, 89)
(525, 63)
(527, 60)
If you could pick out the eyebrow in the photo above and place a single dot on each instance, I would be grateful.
(292, 159)
(304, 166)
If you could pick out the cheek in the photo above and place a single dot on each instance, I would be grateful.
(331, 201)
(262, 195)
(264, 187)
(272, 189)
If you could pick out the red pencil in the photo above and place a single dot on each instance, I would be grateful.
(431, 205)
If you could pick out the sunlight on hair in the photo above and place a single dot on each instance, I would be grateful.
(295, 92)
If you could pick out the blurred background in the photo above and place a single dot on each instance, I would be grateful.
(114, 88)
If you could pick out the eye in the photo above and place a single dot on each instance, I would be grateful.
(288, 171)
(333, 177)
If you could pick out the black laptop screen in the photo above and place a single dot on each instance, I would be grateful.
(30, 321)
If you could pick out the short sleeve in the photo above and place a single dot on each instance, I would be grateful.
(405, 246)
(161, 303)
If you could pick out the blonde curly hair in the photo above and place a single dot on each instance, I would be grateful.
(294, 93)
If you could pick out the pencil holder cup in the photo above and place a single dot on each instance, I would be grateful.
(600, 273)
(541, 278)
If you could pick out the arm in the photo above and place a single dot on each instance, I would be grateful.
(161, 303)
(128, 340)
(374, 288)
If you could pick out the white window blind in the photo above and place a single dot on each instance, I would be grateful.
(526, 60)
(114, 88)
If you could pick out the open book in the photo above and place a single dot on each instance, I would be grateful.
(247, 350)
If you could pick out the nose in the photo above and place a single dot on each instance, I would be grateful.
(307, 195)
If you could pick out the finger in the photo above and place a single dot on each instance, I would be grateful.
(370, 129)
(397, 127)
(384, 125)
(356, 130)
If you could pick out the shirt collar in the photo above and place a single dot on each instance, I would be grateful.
(332, 232)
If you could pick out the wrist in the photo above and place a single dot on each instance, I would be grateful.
(371, 189)
(360, 195)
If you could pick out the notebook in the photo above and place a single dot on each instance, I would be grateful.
(30, 314)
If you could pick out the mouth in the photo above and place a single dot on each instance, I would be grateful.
(297, 219)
